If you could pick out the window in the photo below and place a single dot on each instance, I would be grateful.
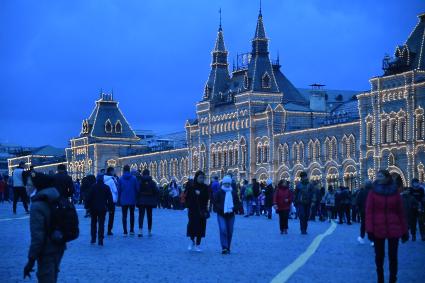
(118, 127)
(384, 131)
(402, 134)
(259, 153)
(419, 127)
(369, 134)
(108, 126)
(266, 81)
(246, 81)
(393, 131)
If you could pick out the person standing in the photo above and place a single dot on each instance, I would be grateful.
(197, 198)
(268, 192)
(174, 193)
(248, 197)
(147, 200)
(99, 200)
(256, 191)
(63, 182)
(127, 192)
(225, 204)
(19, 191)
(361, 205)
(385, 221)
(282, 201)
(77, 191)
(86, 183)
(418, 210)
(111, 181)
(303, 198)
(43, 250)
(330, 203)
(315, 200)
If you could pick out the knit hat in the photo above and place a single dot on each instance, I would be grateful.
(227, 179)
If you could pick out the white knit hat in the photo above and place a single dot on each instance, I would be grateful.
(227, 179)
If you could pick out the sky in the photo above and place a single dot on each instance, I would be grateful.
(56, 56)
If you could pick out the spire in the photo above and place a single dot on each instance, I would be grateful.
(260, 41)
(219, 29)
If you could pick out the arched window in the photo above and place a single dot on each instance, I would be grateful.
(259, 152)
(225, 156)
(231, 156)
(317, 151)
(352, 146)
(369, 134)
(285, 153)
(419, 126)
(266, 81)
(301, 153)
(334, 149)
(402, 130)
(108, 126)
(266, 152)
(118, 127)
(246, 81)
(311, 149)
(393, 130)
(384, 131)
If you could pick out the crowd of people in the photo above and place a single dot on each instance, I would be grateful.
(384, 208)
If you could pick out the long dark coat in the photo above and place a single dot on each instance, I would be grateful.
(197, 204)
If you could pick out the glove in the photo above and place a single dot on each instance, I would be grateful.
(405, 238)
(29, 267)
(371, 237)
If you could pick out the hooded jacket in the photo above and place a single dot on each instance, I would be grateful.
(384, 212)
(148, 192)
(40, 222)
(111, 183)
(128, 188)
(99, 199)
(283, 198)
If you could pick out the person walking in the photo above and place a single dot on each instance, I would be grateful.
(248, 196)
(330, 203)
(174, 193)
(63, 182)
(361, 205)
(197, 198)
(256, 191)
(86, 183)
(268, 193)
(282, 201)
(43, 250)
(111, 181)
(385, 221)
(99, 200)
(303, 199)
(225, 204)
(418, 210)
(19, 190)
(127, 191)
(315, 200)
(147, 200)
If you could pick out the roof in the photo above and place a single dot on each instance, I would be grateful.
(49, 150)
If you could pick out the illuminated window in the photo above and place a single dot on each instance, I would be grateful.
(266, 81)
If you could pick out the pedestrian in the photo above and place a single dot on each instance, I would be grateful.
(226, 202)
(303, 199)
(408, 206)
(256, 191)
(111, 181)
(330, 203)
(3, 187)
(86, 183)
(282, 201)
(315, 201)
(99, 200)
(344, 201)
(174, 193)
(43, 249)
(322, 210)
(19, 191)
(197, 203)
(268, 193)
(248, 196)
(385, 221)
(147, 200)
(418, 210)
(77, 191)
(361, 205)
(127, 192)
(63, 182)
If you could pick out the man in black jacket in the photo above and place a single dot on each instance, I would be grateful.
(99, 200)
(63, 182)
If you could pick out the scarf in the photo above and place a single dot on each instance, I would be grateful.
(228, 200)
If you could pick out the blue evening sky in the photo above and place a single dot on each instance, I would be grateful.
(55, 56)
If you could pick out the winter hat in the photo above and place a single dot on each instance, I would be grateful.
(269, 182)
(146, 172)
(227, 179)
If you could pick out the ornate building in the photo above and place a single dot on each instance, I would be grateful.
(254, 123)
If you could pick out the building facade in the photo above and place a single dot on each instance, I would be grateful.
(252, 122)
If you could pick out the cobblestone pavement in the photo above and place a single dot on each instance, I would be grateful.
(259, 253)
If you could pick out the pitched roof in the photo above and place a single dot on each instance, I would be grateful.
(416, 42)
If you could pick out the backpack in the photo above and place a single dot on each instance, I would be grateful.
(248, 191)
(64, 222)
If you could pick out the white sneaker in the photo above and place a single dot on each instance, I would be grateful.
(191, 245)
(360, 240)
(197, 249)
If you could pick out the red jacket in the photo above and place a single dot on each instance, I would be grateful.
(384, 213)
(283, 198)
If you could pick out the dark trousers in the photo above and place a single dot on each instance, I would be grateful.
(142, 210)
(417, 218)
(19, 193)
(392, 255)
(111, 216)
(303, 213)
(125, 209)
(269, 212)
(362, 224)
(196, 240)
(283, 219)
(176, 203)
(344, 209)
(48, 268)
(97, 220)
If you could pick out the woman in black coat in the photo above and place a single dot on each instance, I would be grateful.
(147, 200)
(197, 203)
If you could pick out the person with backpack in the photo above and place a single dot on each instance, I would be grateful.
(282, 201)
(197, 198)
(19, 191)
(86, 183)
(63, 182)
(385, 221)
(330, 203)
(303, 200)
(127, 192)
(111, 181)
(147, 200)
(99, 200)
(44, 249)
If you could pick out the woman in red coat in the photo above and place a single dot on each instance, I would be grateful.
(282, 200)
(385, 220)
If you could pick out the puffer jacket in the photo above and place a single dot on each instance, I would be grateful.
(40, 222)
(384, 212)
(148, 192)
(127, 189)
(111, 182)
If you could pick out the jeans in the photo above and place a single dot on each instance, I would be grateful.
(392, 255)
(344, 209)
(142, 210)
(20, 193)
(417, 218)
(248, 207)
(283, 219)
(124, 217)
(303, 213)
(225, 225)
(255, 207)
(97, 219)
(111, 217)
(269, 212)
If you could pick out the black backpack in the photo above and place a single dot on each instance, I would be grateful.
(64, 222)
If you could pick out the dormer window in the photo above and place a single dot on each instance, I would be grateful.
(85, 127)
(266, 81)
(118, 127)
(246, 82)
(108, 126)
